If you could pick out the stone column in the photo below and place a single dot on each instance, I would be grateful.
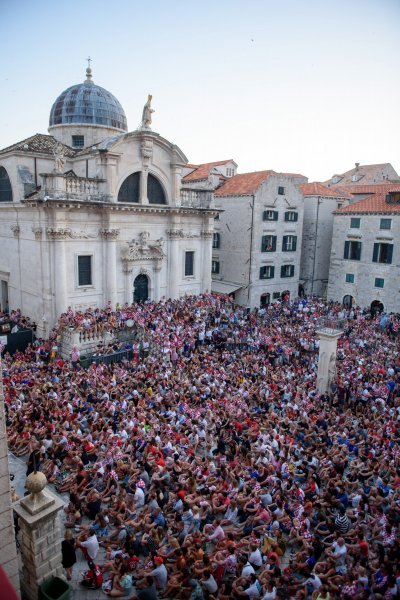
(8, 551)
(206, 237)
(175, 275)
(40, 535)
(327, 359)
(143, 187)
(111, 235)
(58, 236)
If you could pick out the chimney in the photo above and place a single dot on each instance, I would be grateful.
(357, 165)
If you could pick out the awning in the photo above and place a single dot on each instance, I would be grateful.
(223, 287)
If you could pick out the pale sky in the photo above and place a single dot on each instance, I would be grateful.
(308, 86)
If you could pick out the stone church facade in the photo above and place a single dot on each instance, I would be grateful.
(93, 213)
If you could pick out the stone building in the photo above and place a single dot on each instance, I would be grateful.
(257, 237)
(365, 256)
(364, 175)
(320, 202)
(93, 213)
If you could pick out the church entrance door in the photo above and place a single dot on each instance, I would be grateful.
(141, 288)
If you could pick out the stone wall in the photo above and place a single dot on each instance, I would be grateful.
(363, 289)
(8, 552)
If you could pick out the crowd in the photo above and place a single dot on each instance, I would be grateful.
(212, 468)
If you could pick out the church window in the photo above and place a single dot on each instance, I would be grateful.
(84, 270)
(78, 141)
(189, 264)
(155, 192)
(5, 186)
(130, 189)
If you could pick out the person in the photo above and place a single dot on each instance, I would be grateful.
(68, 553)
(148, 592)
(196, 590)
(89, 544)
(122, 583)
(93, 578)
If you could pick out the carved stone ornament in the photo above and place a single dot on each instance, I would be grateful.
(38, 231)
(147, 150)
(143, 249)
(64, 233)
(16, 229)
(207, 235)
(179, 234)
(109, 234)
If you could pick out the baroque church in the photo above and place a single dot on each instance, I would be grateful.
(92, 213)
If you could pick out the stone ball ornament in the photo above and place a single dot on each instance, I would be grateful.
(36, 482)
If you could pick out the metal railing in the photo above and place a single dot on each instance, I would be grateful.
(330, 325)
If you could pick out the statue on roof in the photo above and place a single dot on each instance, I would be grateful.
(146, 115)
(59, 158)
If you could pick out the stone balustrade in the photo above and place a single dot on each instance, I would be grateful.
(71, 187)
(193, 198)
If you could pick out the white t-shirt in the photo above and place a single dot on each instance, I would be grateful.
(92, 546)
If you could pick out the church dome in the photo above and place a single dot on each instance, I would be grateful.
(88, 104)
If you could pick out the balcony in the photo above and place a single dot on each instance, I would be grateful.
(68, 186)
(193, 198)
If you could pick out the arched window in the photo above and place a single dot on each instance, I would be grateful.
(5, 186)
(130, 189)
(155, 192)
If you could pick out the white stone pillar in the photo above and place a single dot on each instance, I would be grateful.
(40, 535)
(143, 187)
(175, 275)
(8, 551)
(110, 236)
(60, 268)
(206, 237)
(327, 359)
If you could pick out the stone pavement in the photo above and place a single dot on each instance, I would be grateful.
(18, 468)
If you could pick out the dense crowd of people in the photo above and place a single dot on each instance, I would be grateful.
(212, 467)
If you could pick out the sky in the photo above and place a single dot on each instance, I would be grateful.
(309, 86)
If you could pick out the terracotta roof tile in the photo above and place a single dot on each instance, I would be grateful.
(203, 171)
(367, 173)
(375, 203)
(40, 143)
(373, 188)
(318, 189)
(243, 184)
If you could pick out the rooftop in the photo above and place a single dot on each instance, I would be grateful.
(318, 189)
(243, 184)
(375, 203)
(202, 171)
(365, 174)
(38, 143)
